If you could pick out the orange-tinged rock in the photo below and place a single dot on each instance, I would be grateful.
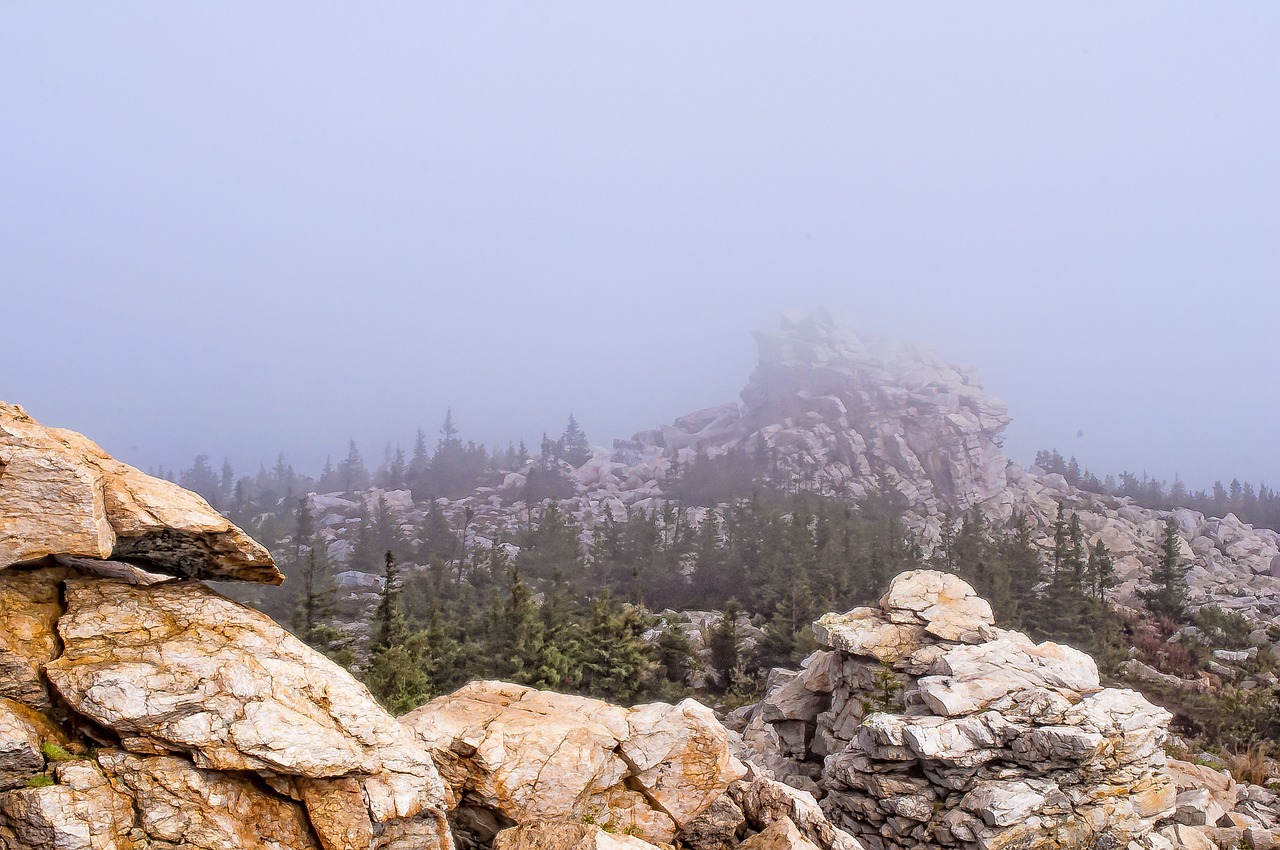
(30, 604)
(179, 803)
(61, 494)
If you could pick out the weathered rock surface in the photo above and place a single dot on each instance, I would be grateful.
(978, 739)
(30, 604)
(21, 734)
(177, 802)
(81, 812)
(176, 667)
(60, 494)
(535, 755)
(845, 415)
(782, 834)
(555, 835)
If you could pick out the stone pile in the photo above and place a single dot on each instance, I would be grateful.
(924, 725)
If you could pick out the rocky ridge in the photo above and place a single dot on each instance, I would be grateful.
(139, 710)
(844, 416)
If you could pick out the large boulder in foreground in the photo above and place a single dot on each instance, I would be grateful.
(177, 669)
(536, 755)
(925, 725)
(60, 494)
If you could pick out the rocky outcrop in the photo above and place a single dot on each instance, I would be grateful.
(533, 755)
(833, 412)
(60, 494)
(923, 724)
(140, 712)
(232, 691)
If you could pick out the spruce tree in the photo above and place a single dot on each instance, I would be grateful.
(397, 673)
(1168, 597)
(572, 445)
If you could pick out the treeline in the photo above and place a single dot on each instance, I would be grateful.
(556, 609)
(549, 611)
(451, 468)
(1258, 506)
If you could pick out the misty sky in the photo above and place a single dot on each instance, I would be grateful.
(242, 228)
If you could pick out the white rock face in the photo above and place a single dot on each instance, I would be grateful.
(554, 835)
(980, 738)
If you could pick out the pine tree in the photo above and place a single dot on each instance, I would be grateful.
(397, 673)
(723, 643)
(352, 472)
(310, 562)
(391, 627)
(1168, 597)
(572, 445)
(616, 665)
(226, 486)
(397, 676)
(201, 478)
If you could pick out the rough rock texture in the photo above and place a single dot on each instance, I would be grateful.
(981, 739)
(21, 734)
(180, 803)
(81, 812)
(1215, 811)
(537, 755)
(764, 801)
(60, 494)
(552, 835)
(141, 711)
(176, 667)
(30, 604)
(782, 834)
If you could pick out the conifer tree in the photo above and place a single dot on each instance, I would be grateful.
(391, 627)
(723, 643)
(351, 471)
(572, 445)
(397, 673)
(616, 665)
(1169, 595)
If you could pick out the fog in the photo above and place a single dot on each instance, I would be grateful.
(239, 229)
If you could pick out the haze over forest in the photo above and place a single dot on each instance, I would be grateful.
(240, 230)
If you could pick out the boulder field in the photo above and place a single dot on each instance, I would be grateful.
(142, 710)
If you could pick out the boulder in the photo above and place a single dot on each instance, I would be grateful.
(178, 668)
(20, 738)
(60, 494)
(782, 834)
(30, 604)
(535, 755)
(949, 608)
(868, 632)
(80, 812)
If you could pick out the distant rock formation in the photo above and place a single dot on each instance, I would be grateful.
(924, 725)
(844, 416)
